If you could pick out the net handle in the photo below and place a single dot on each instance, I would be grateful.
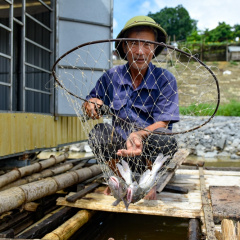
(152, 42)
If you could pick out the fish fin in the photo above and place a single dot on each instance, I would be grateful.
(126, 204)
(126, 166)
(121, 170)
(159, 162)
(144, 176)
(125, 173)
(115, 203)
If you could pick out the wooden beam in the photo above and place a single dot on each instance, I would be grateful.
(208, 215)
(194, 229)
(174, 164)
(82, 193)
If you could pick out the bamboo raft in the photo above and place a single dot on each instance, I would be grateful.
(207, 197)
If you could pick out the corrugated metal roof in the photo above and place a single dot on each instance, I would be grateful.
(234, 48)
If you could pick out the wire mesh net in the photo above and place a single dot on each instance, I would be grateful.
(128, 98)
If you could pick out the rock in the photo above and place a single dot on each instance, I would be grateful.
(211, 154)
(220, 144)
(235, 156)
(223, 154)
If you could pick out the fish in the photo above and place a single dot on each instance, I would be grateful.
(125, 172)
(138, 190)
(148, 178)
(119, 190)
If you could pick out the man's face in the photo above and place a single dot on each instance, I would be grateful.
(139, 54)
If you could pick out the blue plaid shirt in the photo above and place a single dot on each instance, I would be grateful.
(155, 99)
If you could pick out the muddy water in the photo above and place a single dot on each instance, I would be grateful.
(122, 226)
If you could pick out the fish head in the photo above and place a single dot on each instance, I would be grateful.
(118, 187)
(113, 183)
(122, 190)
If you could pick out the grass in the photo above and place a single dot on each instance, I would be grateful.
(228, 109)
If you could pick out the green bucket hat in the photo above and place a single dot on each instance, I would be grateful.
(142, 21)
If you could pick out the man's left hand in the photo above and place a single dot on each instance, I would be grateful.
(134, 146)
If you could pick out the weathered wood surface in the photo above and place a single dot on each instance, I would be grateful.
(177, 160)
(225, 202)
(228, 230)
(208, 215)
(167, 204)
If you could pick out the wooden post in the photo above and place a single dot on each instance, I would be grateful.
(194, 229)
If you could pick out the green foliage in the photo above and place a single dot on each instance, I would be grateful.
(219, 34)
(195, 36)
(176, 21)
(236, 31)
(230, 109)
(233, 63)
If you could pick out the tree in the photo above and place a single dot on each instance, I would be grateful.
(195, 36)
(176, 21)
(236, 32)
(223, 32)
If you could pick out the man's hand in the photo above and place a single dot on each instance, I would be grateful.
(90, 108)
(134, 146)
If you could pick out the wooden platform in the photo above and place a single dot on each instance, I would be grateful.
(168, 204)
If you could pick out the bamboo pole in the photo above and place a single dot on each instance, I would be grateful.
(228, 230)
(67, 229)
(37, 176)
(27, 170)
(16, 196)
(238, 230)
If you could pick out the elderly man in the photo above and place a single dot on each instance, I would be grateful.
(142, 97)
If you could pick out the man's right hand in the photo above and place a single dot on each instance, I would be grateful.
(90, 108)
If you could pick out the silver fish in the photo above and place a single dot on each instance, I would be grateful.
(125, 172)
(119, 190)
(148, 178)
(136, 191)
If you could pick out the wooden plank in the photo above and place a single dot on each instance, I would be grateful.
(177, 160)
(163, 207)
(83, 192)
(140, 209)
(225, 202)
(208, 216)
(221, 173)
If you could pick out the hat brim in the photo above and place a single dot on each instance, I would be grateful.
(162, 38)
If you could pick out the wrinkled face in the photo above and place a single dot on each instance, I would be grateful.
(139, 54)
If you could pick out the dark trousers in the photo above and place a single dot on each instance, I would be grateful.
(105, 143)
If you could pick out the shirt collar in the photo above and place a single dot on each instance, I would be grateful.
(149, 80)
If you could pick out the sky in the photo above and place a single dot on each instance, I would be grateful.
(208, 13)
